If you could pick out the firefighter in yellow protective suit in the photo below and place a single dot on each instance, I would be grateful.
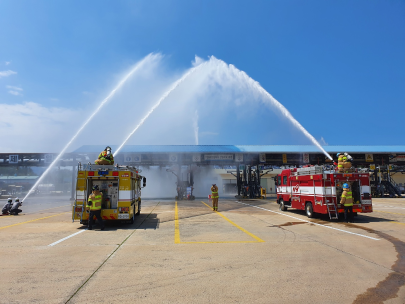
(94, 202)
(214, 196)
(340, 162)
(105, 157)
(347, 201)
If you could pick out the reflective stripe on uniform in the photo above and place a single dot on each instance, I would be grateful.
(349, 198)
(214, 194)
(96, 202)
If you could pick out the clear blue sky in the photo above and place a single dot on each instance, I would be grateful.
(338, 66)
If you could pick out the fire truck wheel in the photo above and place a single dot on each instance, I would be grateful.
(309, 210)
(282, 206)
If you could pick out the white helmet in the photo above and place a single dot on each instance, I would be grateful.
(17, 199)
(108, 149)
(9, 200)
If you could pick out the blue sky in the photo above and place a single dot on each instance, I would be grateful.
(337, 66)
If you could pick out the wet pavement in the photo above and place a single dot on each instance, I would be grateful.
(183, 252)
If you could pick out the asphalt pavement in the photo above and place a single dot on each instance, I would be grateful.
(183, 252)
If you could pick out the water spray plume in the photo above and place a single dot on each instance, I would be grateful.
(196, 127)
(120, 84)
(164, 96)
(257, 87)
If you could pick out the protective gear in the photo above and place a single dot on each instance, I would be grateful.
(105, 157)
(345, 186)
(214, 196)
(95, 187)
(14, 209)
(10, 200)
(17, 199)
(347, 198)
(96, 202)
(337, 155)
(7, 207)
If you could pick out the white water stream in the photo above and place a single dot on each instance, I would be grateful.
(164, 96)
(141, 63)
(219, 67)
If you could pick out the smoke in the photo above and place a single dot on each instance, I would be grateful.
(159, 183)
(163, 184)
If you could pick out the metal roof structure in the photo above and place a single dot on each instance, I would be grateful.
(162, 155)
(242, 149)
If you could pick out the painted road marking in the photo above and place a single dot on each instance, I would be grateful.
(397, 223)
(68, 237)
(237, 226)
(390, 212)
(176, 225)
(341, 230)
(42, 218)
(177, 231)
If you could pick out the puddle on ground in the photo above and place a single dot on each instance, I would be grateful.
(389, 287)
(288, 224)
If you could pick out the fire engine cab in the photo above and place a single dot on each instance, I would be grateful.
(318, 190)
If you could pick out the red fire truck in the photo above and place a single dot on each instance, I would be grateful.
(317, 190)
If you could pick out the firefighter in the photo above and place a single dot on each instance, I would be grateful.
(14, 209)
(105, 157)
(94, 202)
(7, 207)
(340, 162)
(347, 165)
(214, 196)
(347, 201)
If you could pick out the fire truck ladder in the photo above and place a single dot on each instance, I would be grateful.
(80, 196)
(331, 206)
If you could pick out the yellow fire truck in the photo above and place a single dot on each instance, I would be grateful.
(121, 188)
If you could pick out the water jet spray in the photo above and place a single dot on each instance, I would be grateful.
(164, 96)
(141, 63)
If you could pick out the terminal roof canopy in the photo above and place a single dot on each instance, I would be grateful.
(241, 149)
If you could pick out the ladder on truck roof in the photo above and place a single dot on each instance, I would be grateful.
(309, 170)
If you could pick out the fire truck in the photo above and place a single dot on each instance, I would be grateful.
(121, 188)
(317, 189)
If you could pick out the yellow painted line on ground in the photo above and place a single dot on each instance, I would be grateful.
(177, 231)
(389, 212)
(42, 218)
(236, 225)
(176, 225)
(397, 223)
